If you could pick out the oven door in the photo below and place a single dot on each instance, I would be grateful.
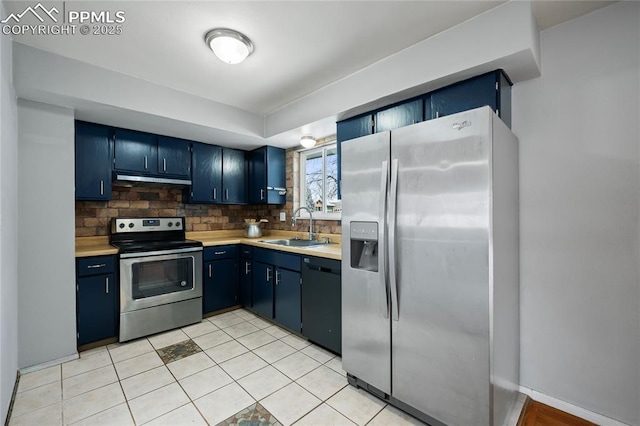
(160, 277)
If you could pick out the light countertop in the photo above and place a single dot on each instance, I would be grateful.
(99, 246)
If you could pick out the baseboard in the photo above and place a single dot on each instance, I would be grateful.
(13, 398)
(570, 408)
(58, 361)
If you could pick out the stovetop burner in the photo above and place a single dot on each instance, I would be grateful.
(133, 235)
(135, 247)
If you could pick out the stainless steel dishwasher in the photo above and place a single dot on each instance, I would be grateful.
(322, 302)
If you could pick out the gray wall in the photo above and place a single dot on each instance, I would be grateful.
(8, 228)
(580, 195)
(46, 246)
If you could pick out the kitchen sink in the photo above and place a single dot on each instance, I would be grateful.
(296, 242)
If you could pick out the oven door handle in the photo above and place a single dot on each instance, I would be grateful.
(159, 252)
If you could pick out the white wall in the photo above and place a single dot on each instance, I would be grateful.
(579, 134)
(8, 228)
(46, 245)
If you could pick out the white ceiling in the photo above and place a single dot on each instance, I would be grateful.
(300, 46)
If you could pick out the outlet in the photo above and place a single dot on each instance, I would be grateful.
(283, 216)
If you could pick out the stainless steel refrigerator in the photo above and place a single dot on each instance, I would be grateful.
(430, 301)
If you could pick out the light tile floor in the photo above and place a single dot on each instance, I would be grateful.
(243, 360)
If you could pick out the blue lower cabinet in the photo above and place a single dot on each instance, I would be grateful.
(276, 287)
(263, 289)
(220, 285)
(246, 274)
(287, 298)
(97, 308)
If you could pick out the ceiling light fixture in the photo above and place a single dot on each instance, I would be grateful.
(229, 46)
(308, 141)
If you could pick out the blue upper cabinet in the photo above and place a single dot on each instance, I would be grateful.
(401, 115)
(94, 151)
(351, 129)
(234, 176)
(174, 157)
(492, 89)
(135, 152)
(355, 127)
(267, 175)
(206, 174)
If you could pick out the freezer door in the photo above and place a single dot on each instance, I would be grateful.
(366, 345)
(440, 341)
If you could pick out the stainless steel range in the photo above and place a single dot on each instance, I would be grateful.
(160, 275)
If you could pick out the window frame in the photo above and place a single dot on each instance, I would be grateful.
(302, 184)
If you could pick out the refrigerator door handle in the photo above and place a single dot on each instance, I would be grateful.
(393, 199)
(382, 254)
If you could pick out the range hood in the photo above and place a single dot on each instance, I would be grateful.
(128, 181)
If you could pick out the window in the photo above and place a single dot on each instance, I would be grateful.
(319, 181)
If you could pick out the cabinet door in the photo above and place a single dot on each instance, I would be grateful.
(351, 129)
(267, 175)
(287, 298)
(258, 176)
(468, 94)
(262, 278)
(276, 175)
(174, 157)
(206, 173)
(135, 152)
(94, 153)
(399, 116)
(234, 176)
(220, 285)
(245, 283)
(96, 308)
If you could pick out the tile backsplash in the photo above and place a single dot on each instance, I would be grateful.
(93, 217)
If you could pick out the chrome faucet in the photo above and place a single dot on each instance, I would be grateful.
(293, 220)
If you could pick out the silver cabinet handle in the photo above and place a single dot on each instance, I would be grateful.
(437, 114)
(262, 194)
(106, 285)
(277, 277)
(164, 164)
(210, 271)
(218, 253)
(97, 265)
(226, 194)
(101, 187)
(268, 276)
(246, 268)
(215, 193)
(145, 162)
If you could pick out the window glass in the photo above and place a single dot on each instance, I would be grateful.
(319, 183)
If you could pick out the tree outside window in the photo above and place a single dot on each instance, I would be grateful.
(319, 179)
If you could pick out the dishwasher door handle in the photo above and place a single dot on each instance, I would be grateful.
(324, 269)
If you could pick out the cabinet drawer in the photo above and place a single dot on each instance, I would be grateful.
(96, 265)
(246, 251)
(220, 252)
(277, 258)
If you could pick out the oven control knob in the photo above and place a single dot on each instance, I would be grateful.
(170, 224)
(121, 225)
(178, 224)
(131, 225)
